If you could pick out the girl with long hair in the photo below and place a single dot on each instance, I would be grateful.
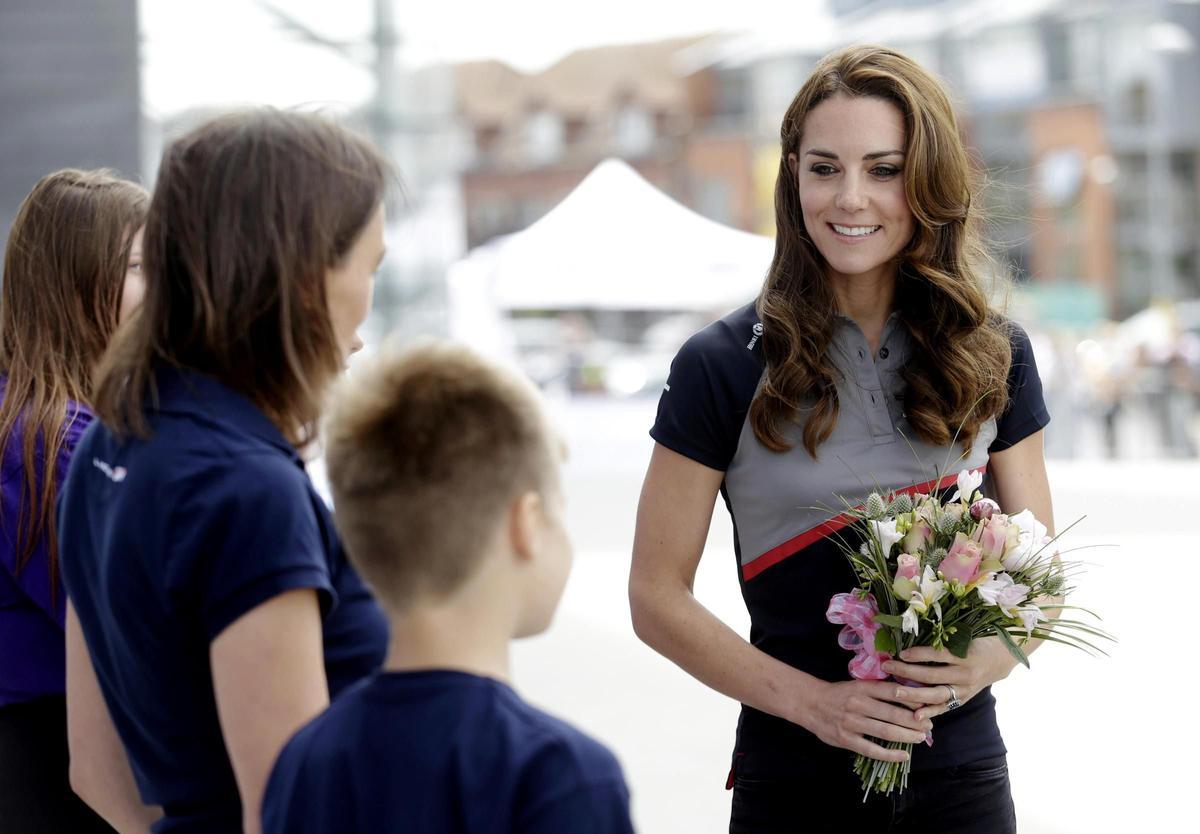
(72, 272)
(214, 611)
(872, 359)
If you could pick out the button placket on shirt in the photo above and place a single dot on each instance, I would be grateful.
(873, 396)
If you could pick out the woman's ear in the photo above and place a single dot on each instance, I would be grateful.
(525, 525)
(793, 161)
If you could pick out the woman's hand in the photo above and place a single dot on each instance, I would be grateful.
(987, 661)
(844, 714)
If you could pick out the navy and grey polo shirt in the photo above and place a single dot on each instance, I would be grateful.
(167, 541)
(786, 507)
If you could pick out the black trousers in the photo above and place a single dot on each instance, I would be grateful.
(35, 796)
(972, 799)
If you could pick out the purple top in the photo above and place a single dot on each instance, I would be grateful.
(32, 647)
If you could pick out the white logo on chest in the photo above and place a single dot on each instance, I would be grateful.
(758, 331)
(116, 475)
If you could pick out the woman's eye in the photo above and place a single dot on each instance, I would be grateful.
(823, 169)
(136, 266)
(885, 171)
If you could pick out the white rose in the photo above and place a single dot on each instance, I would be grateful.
(1031, 539)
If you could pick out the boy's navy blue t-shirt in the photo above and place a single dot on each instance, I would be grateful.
(443, 752)
(168, 540)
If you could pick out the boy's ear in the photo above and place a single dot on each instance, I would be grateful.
(525, 525)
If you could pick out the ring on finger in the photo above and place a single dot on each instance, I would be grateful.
(952, 702)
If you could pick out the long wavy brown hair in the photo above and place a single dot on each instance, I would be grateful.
(64, 270)
(956, 376)
(249, 212)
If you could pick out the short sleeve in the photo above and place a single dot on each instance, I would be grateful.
(246, 532)
(706, 398)
(1026, 410)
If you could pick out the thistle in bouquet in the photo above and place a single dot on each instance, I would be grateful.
(940, 574)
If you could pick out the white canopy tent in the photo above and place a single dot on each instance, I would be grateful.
(614, 243)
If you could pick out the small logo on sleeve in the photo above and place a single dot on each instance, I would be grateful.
(114, 474)
(758, 331)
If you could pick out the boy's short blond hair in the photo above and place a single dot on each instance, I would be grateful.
(426, 450)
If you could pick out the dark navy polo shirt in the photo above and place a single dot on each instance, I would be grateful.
(443, 752)
(786, 508)
(168, 540)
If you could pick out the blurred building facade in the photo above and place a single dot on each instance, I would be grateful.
(532, 138)
(69, 92)
(1085, 115)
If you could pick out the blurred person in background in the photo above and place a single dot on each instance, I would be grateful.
(871, 358)
(72, 273)
(1183, 385)
(213, 609)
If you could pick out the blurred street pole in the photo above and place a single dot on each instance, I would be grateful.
(383, 119)
(1160, 192)
(411, 119)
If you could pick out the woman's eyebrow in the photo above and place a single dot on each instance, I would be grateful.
(873, 155)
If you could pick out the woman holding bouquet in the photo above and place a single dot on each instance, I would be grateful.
(871, 359)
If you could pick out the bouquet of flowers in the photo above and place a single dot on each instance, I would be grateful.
(940, 574)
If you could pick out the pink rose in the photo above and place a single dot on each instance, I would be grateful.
(918, 537)
(908, 568)
(994, 537)
(962, 562)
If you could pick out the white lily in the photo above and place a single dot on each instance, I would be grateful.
(968, 482)
(887, 535)
(910, 622)
(923, 600)
(1032, 538)
(928, 596)
(1031, 615)
(1004, 593)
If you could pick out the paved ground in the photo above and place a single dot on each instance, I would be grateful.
(1097, 745)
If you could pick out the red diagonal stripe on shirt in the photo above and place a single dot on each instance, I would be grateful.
(827, 528)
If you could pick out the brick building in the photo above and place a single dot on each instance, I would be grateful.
(533, 137)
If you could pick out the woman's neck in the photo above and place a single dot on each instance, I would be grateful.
(868, 300)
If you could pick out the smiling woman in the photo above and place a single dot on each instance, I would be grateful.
(871, 358)
(874, 194)
(854, 204)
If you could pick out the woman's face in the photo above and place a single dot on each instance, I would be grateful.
(134, 287)
(849, 175)
(350, 285)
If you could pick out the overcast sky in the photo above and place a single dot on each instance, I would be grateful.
(232, 51)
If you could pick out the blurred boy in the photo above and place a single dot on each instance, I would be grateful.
(446, 488)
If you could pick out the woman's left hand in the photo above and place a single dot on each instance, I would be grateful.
(987, 661)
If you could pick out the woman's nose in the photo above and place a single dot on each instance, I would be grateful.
(850, 196)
